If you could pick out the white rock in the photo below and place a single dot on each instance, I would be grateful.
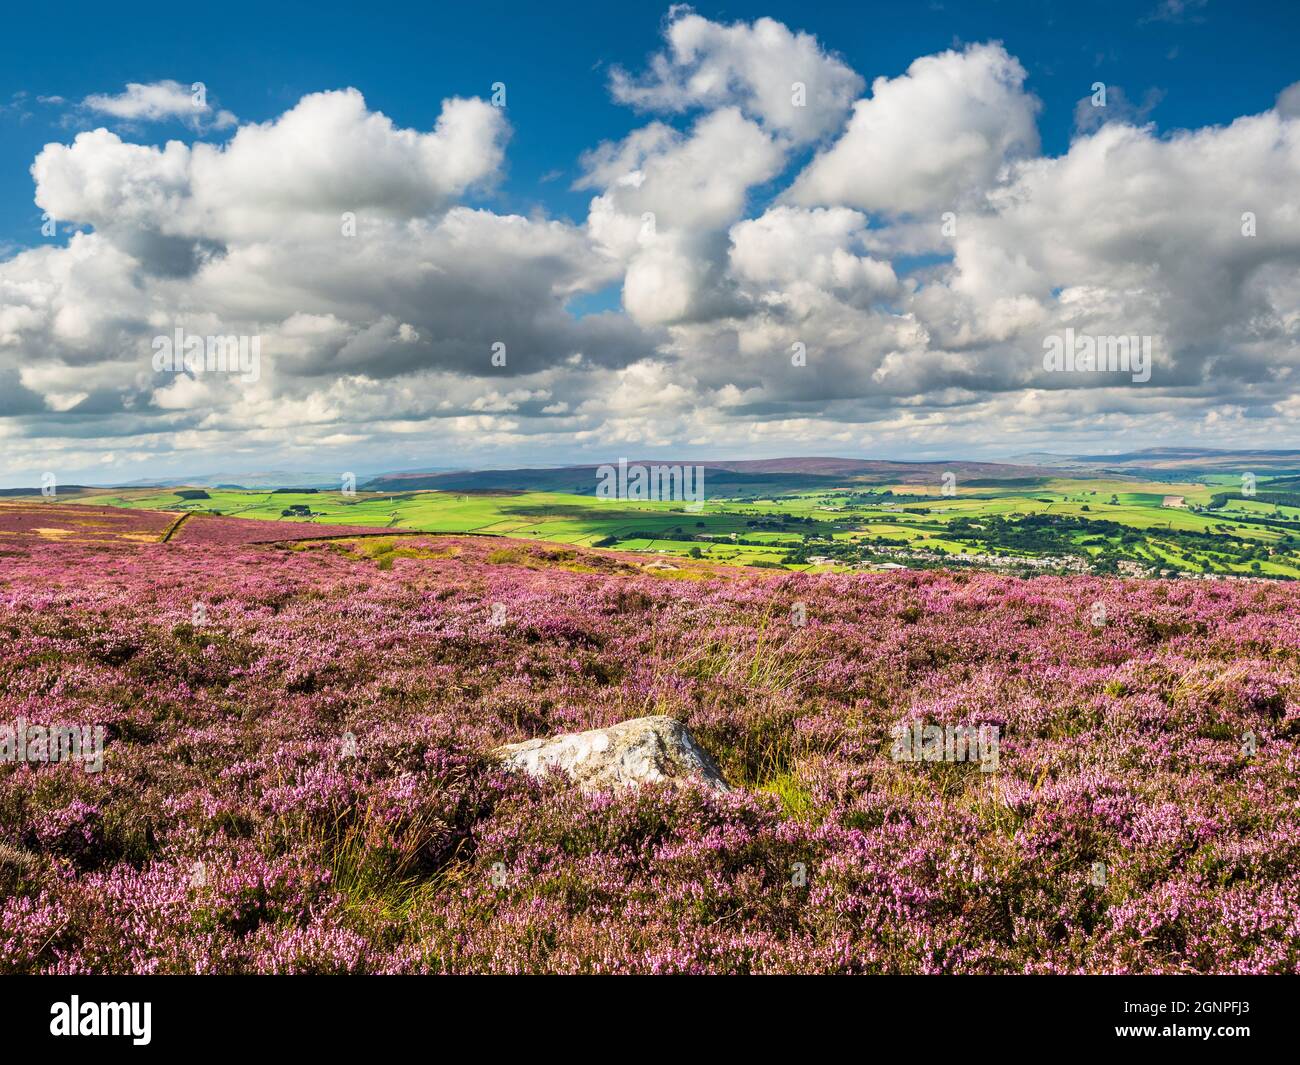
(632, 752)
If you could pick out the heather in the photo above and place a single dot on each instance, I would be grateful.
(78, 522)
(214, 529)
(302, 782)
(22, 520)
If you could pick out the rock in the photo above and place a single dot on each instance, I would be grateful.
(639, 751)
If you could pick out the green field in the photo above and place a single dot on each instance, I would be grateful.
(1079, 523)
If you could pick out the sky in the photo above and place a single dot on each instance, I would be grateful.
(495, 235)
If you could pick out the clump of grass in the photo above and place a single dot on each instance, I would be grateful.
(507, 556)
(796, 799)
(766, 666)
(384, 550)
(19, 870)
(380, 869)
(561, 558)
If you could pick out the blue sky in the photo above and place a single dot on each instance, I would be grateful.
(520, 226)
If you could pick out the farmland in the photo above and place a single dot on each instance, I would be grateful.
(1033, 524)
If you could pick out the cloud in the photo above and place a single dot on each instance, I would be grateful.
(784, 80)
(1288, 101)
(1176, 11)
(697, 181)
(331, 235)
(930, 139)
(790, 246)
(327, 155)
(667, 199)
(1090, 115)
(159, 101)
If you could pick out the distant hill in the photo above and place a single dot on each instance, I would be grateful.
(61, 490)
(758, 477)
(262, 479)
(721, 476)
(1158, 461)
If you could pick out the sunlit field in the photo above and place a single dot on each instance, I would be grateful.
(843, 515)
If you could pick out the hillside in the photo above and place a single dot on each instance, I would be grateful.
(297, 777)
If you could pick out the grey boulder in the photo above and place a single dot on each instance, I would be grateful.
(639, 751)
